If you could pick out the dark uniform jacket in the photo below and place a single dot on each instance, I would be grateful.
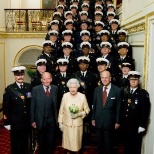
(135, 109)
(72, 65)
(86, 84)
(61, 82)
(118, 63)
(50, 65)
(16, 107)
(36, 80)
(98, 81)
(106, 117)
(121, 81)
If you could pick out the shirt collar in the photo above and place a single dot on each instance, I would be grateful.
(18, 84)
(133, 89)
(47, 54)
(44, 87)
(104, 56)
(108, 87)
(125, 76)
(85, 72)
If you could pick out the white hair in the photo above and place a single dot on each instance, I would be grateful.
(73, 81)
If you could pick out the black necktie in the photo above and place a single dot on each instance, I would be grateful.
(131, 92)
(83, 74)
(21, 87)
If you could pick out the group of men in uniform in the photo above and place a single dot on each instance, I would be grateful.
(83, 40)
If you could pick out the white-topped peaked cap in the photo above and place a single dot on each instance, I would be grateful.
(111, 13)
(114, 21)
(99, 6)
(85, 44)
(67, 12)
(102, 60)
(84, 32)
(57, 13)
(134, 75)
(83, 12)
(98, 13)
(122, 32)
(53, 32)
(110, 5)
(41, 61)
(18, 68)
(126, 65)
(106, 44)
(73, 6)
(99, 23)
(84, 5)
(104, 32)
(123, 45)
(67, 32)
(54, 22)
(60, 6)
(67, 45)
(62, 61)
(83, 59)
(69, 21)
(47, 42)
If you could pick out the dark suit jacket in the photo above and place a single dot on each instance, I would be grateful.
(17, 110)
(38, 104)
(106, 117)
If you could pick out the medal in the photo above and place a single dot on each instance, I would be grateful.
(63, 82)
(22, 97)
(129, 101)
(82, 83)
(99, 83)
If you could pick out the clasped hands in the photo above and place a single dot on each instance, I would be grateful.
(75, 115)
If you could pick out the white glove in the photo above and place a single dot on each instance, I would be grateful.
(61, 126)
(141, 129)
(8, 127)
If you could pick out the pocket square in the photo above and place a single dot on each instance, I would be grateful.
(113, 98)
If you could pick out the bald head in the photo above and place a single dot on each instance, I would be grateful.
(46, 74)
(106, 78)
(46, 79)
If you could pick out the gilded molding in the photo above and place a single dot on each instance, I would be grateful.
(21, 51)
(145, 54)
(22, 35)
(137, 28)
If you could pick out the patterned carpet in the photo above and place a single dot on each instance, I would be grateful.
(87, 149)
(4, 141)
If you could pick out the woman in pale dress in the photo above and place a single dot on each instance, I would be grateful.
(72, 124)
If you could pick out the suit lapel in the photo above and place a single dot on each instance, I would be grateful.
(100, 94)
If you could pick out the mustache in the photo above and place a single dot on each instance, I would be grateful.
(20, 79)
